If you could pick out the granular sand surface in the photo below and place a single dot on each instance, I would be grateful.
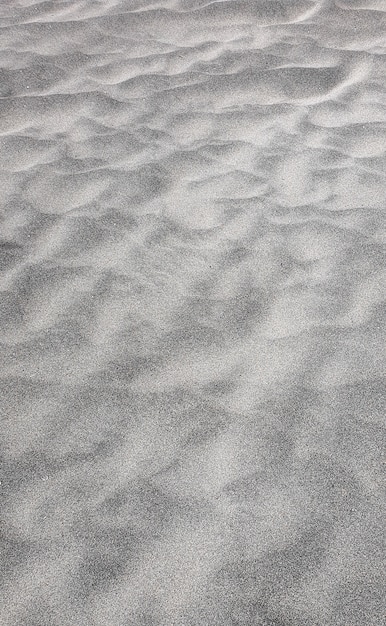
(192, 321)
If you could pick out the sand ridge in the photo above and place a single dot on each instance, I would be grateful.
(192, 288)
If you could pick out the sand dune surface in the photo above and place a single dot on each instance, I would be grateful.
(192, 326)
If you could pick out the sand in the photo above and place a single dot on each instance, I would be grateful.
(192, 322)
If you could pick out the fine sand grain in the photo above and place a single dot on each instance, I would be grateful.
(192, 321)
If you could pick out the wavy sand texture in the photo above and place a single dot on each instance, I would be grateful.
(192, 290)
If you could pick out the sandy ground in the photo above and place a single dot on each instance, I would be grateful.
(191, 312)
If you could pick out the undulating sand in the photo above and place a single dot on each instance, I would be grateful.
(192, 321)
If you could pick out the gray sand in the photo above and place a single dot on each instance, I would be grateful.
(192, 284)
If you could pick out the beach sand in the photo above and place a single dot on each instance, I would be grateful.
(192, 319)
